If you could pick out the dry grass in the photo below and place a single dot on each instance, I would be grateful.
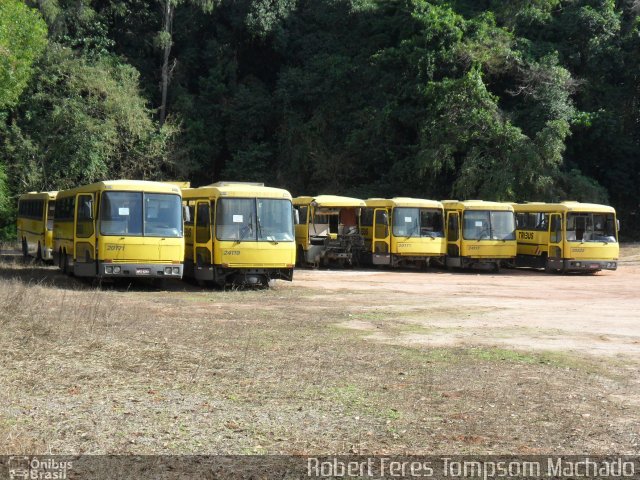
(85, 370)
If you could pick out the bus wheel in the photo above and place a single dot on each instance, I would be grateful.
(39, 254)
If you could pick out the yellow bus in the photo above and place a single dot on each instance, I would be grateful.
(120, 228)
(416, 235)
(567, 236)
(327, 230)
(35, 224)
(479, 234)
(239, 233)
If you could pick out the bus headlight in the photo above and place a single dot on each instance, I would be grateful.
(167, 270)
(108, 269)
(117, 269)
(176, 270)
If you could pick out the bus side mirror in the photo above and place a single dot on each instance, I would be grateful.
(296, 217)
(186, 214)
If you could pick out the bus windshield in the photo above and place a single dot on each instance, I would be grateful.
(591, 227)
(489, 225)
(417, 222)
(251, 219)
(122, 213)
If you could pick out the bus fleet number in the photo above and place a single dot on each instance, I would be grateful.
(525, 235)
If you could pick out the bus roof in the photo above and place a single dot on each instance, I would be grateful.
(124, 185)
(475, 205)
(402, 202)
(235, 189)
(567, 206)
(38, 195)
(329, 201)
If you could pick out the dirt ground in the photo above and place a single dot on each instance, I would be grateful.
(351, 361)
(523, 309)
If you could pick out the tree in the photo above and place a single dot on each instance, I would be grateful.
(23, 36)
(164, 41)
(83, 121)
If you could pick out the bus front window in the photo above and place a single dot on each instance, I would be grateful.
(162, 215)
(503, 226)
(121, 213)
(417, 222)
(235, 219)
(489, 225)
(274, 220)
(476, 225)
(591, 227)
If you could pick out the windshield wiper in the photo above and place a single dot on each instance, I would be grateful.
(412, 231)
(262, 232)
(483, 231)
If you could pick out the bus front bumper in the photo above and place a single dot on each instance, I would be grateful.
(140, 270)
(589, 265)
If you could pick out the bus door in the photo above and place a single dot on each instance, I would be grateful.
(554, 259)
(84, 239)
(202, 244)
(453, 239)
(381, 244)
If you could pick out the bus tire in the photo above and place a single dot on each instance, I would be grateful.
(39, 254)
(25, 248)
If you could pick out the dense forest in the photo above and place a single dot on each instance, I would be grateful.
(501, 100)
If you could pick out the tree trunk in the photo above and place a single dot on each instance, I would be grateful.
(167, 28)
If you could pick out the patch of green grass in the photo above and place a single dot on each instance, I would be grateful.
(495, 354)
(369, 316)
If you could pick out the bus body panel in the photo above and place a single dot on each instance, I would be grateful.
(254, 255)
(429, 247)
(141, 250)
(488, 249)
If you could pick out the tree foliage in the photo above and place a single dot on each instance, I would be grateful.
(23, 36)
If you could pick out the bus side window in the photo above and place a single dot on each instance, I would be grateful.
(452, 232)
(190, 206)
(203, 232)
(556, 229)
(84, 224)
(302, 214)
